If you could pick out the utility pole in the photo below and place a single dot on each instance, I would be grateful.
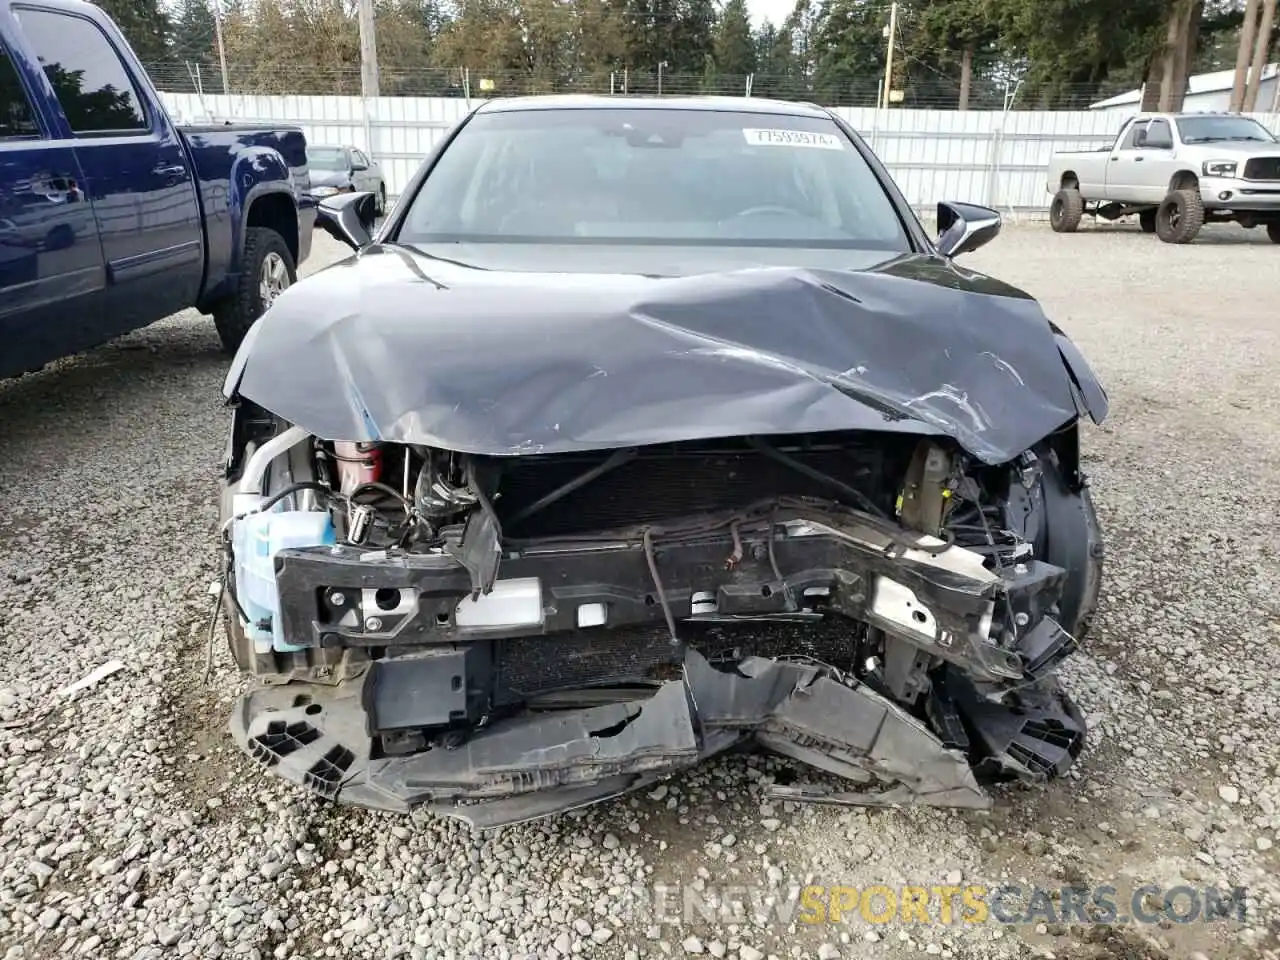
(1262, 46)
(368, 51)
(222, 50)
(888, 59)
(1243, 54)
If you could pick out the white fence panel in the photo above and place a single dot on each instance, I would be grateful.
(979, 156)
(396, 132)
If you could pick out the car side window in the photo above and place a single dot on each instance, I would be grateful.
(1131, 138)
(17, 118)
(86, 73)
(360, 158)
(1159, 136)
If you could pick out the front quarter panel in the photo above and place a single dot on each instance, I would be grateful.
(1091, 391)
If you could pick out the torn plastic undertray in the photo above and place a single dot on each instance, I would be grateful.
(539, 764)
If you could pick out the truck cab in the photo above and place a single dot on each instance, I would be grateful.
(1137, 167)
(111, 216)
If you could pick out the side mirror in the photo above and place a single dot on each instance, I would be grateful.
(964, 227)
(348, 217)
(357, 165)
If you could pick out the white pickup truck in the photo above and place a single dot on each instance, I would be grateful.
(1177, 172)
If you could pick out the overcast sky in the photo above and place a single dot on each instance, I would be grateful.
(773, 10)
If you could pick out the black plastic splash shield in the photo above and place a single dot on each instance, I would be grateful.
(533, 766)
(403, 347)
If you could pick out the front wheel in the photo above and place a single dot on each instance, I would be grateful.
(381, 209)
(1273, 232)
(1180, 216)
(267, 270)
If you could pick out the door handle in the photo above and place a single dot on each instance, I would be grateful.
(1115, 157)
(1138, 159)
(173, 173)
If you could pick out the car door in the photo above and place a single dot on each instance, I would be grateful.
(137, 175)
(1158, 161)
(1124, 163)
(52, 275)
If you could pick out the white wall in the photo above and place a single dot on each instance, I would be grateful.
(976, 156)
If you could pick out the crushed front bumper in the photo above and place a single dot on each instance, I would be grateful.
(526, 768)
(422, 694)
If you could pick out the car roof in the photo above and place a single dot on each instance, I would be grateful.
(606, 102)
(1188, 114)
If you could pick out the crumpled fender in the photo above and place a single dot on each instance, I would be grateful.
(1093, 397)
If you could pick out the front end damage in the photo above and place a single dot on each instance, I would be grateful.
(501, 638)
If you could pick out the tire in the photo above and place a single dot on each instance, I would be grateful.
(1073, 541)
(1065, 210)
(1180, 216)
(381, 209)
(1147, 220)
(264, 250)
(1273, 232)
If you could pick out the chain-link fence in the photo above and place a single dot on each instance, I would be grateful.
(925, 92)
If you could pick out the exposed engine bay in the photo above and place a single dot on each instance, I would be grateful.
(504, 637)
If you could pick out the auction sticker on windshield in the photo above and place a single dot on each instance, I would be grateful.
(792, 138)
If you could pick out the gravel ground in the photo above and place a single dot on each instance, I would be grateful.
(130, 827)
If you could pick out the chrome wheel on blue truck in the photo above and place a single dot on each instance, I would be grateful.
(273, 278)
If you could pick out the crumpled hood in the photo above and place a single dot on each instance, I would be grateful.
(397, 346)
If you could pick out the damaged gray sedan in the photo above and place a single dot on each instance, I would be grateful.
(643, 430)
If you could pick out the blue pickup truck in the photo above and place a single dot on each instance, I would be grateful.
(112, 216)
